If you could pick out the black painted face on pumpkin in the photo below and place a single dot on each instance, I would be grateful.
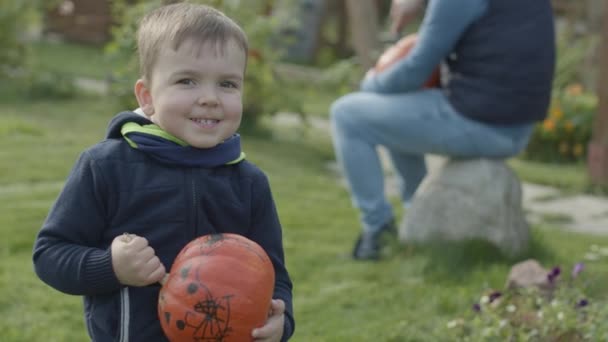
(219, 289)
(208, 318)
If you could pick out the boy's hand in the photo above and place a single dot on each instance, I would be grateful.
(135, 263)
(272, 331)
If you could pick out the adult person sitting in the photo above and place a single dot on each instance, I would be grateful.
(499, 57)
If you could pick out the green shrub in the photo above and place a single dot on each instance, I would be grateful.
(49, 85)
(265, 92)
(13, 50)
(563, 136)
(16, 71)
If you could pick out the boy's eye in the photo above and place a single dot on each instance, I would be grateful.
(229, 84)
(185, 81)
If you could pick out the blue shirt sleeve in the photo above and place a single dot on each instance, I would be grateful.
(443, 24)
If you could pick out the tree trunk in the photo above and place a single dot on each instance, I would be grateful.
(597, 159)
(594, 14)
(363, 24)
(592, 21)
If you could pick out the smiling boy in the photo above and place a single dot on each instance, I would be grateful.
(167, 177)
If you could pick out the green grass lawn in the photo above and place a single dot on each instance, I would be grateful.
(570, 178)
(407, 297)
(83, 60)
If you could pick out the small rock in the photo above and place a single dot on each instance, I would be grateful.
(527, 274)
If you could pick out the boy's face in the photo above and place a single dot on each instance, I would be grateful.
(196, 94)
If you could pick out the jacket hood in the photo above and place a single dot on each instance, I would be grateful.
(115, 125)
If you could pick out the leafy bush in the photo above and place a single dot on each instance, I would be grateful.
(563, 136)
(265, 92)
(49, 85)
(16, 70)
(12, 14)
(574, 50)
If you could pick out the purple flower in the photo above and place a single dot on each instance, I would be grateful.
(582, 303)
(552, 276)
(494, 296)
(476, 307)
(578, 268)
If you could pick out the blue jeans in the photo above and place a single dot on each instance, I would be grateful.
(408, 125)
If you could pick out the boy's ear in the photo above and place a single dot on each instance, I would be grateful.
(144, 98)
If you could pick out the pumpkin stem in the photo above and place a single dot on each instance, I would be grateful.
(164, 280)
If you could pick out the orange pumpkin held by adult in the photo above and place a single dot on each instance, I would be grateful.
(400, 50)
(219, 289)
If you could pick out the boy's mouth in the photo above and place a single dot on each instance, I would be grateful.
(205, 122)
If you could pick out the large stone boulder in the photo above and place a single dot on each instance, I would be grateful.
(466, 199)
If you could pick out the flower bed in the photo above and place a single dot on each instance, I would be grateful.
(561, 308)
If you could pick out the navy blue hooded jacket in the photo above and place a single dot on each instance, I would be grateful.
(113, 189)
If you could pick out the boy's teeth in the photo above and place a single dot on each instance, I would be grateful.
(205, 121)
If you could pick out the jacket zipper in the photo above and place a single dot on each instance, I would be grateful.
(194, 207)
(124, 315)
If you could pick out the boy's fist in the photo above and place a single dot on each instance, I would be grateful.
(135, 263)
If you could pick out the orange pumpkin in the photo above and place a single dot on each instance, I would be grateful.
(219, 289)
(398, 51)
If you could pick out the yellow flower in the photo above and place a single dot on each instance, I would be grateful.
(556, 112)
(569, 126)
(549, 125)
(574, 89)
(578, 150)
(563, 147)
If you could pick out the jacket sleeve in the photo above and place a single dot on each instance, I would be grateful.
(66, 254)
(266, 230)
(443, 24)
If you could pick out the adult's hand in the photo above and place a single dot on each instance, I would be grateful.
(402, 13)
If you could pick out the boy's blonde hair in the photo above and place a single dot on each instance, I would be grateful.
(171, 25)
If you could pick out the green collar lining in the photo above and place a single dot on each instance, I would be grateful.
(155, 130)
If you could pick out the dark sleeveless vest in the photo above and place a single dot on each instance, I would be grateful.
(501, 70)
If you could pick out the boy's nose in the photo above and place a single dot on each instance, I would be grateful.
(208, 97)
